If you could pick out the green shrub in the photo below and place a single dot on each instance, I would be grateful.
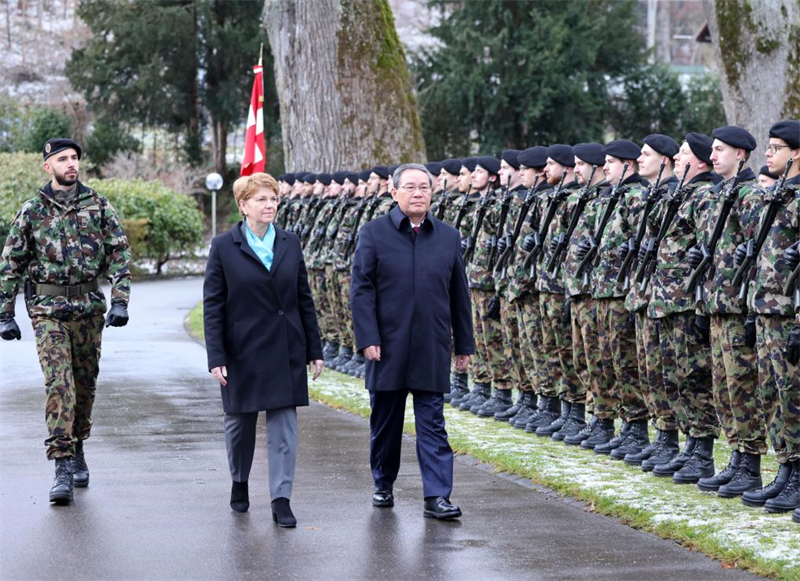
(45, 124)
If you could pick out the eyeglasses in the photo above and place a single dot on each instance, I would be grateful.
(410, 189)
(774, 147)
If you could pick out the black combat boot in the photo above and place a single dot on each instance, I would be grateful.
(747, 477)
(789, 498)
(574, 424)
(671, 467)
(356, 363)
(602, 434)
(586, 433)
(700, 465)
(547, 412)
(759, 496)
(61, 492)
(460, 394)
(647, 451)
(638, 439)
(614, 442)
(723, 477)
(664, 452)
(345, 355)
(480, 393)
(521, 418)
(459, 386)
(482, 397)
(499, 402)
(557, 424)
(796, 515)
(80, 471)
(510, 412)
(329, 352)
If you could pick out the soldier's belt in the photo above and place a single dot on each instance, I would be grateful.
(67, 290)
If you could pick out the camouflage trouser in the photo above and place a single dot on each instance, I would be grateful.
(649, 366)
(774, 370)
(530, 312)
(69, 353)
(686, 365)
(489, 342)
(478, 362)
(557, 347)
(316, 280)
(735, 372)
(662, 400)
(332, 294)
(585, 357)
(348, 333)
(510, 324)
(618, 345)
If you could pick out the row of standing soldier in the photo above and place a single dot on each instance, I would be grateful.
(653, 285)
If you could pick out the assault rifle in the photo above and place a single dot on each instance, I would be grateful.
(792, 287)
(351, 239)
(556, 198)
(501, 226)
(462, 209)
(563, 239)
(505, 256)
(476, 227)
(440, 211)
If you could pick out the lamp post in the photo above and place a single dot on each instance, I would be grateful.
(213, 183)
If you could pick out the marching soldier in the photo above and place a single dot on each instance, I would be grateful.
(67, 237)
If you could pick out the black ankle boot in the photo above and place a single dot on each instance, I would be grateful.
(789, 498)
(676, 463)
(586, 433)
(723, 477)
(480, 398)
(458, 386)
(574, 424)
(638, 438)
(759, 496)
(499, 401)
(546, 413)
(647, 451)
(80, 471)
(614, 442)
(525, 412)
(282, 513)
(480, 393)
(240, 498)
(602, 434)
(700, 465)
(511, 411)
(549, 430)
(664, 452)
(747, 477)
(61, 492)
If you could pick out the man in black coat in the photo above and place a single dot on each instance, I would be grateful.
(408, 291)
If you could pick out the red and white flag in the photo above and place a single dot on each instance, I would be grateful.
(254, 158)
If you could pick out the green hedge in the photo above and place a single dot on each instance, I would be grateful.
(171, 222)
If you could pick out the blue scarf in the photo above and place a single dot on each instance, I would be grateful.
(263, 247)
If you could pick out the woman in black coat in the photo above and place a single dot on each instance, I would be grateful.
(261, 331)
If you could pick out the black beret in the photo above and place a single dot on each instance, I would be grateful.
(392, 168)
(352, 178)
(561, 153)
(289, 178)
(622, 149)
(700, 145)
(490, 164)
(590, 153)
(434, 167)
(324, 178)
(59, 144)
(363, 176)
(765, 172)
(511, 157)
(788, 130)
(282, 177)
(469, 163)
(663, 144)
(339, 177)
(451, 166)
(309, 178)
(735, 137)
(533, 157)
(382, 171)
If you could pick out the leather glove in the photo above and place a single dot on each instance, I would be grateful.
(489, 243)
(623, 251)
(529, 243)
(117, 316)
(792, 256)
(643, 250)
(503, 243)
(695, 256)
(740, 254)
(568, 310)
(750, 330)
(703, 324)
(493, 308)
(553, 245)
(465, 242)
(9, 329)
(583, 249)
(793, 346)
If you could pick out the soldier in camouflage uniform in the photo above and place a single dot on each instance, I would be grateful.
(67, 237)
(685, 353)
(312, 232)
(734, 368)
(777, 332)
(286, 184)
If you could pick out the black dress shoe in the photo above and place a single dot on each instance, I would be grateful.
(240, 499)
(282, 513)
(383, 498)
(441, 508)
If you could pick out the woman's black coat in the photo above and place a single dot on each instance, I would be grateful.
(260, 324)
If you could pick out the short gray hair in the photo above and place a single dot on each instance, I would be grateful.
(407, 166)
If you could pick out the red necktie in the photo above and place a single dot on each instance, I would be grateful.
(416, 229)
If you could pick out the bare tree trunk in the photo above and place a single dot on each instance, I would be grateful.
(343, 84)
(757, 47)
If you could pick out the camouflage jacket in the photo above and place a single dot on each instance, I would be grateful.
(454, 197)
(502, 283)
(479, 276)
(65, 245)
(569, 269)
(720, 294)
(545, 282)
(469, 205)
(344, 242)
(668, 285)
(519, 282)
(765, 294)
(314, 249)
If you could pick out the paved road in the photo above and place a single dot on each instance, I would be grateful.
(157, 505)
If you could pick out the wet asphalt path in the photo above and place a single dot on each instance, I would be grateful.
(157, 505)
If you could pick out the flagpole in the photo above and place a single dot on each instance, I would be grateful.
(263, 92)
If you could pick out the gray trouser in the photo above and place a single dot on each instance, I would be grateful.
(240, 439)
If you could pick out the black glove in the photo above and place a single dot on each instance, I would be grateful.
(118, 315)
(568, 310)
(792, 256)
(740, 255)
(306, 231)
(750, 330)
(553, 245)
(465, 242)
(695, 256)
(503, 243)
(489, 243)
(793, 346)
(583, 249)
(529, 243)
(493, 308)
(332, 234)
(643, 250)
(703, 324)
(623, 251)
(9, 329)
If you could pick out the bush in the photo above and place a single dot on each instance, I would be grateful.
(107, 139)
(163, 222)
(45, 124)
